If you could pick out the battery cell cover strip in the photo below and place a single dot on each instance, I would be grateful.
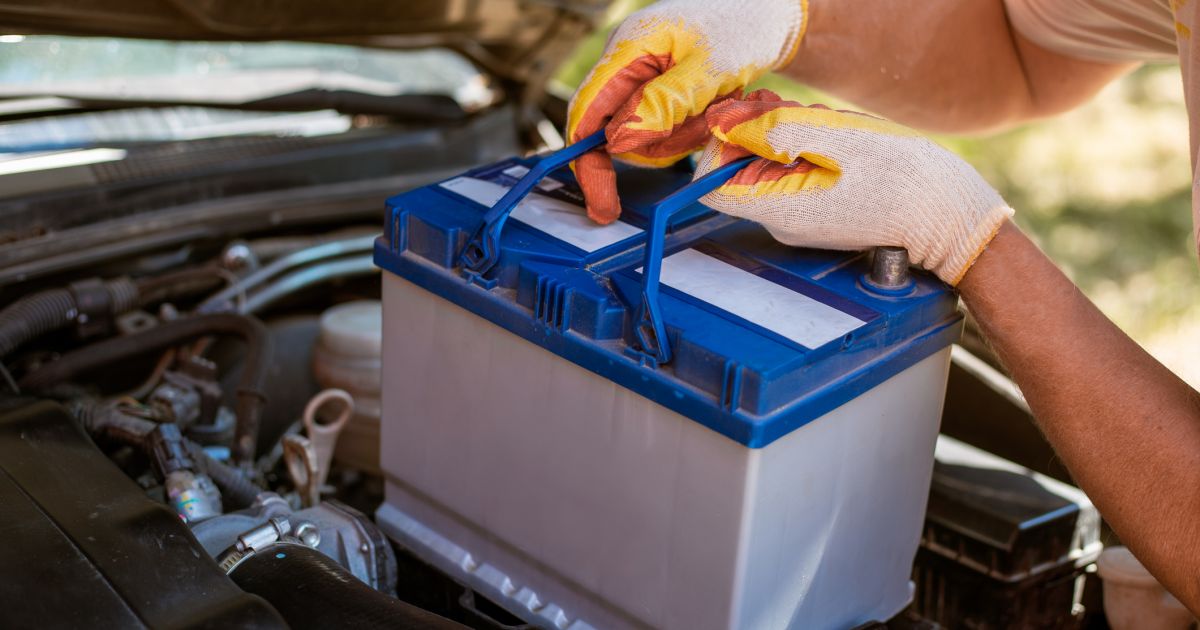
(763, 338)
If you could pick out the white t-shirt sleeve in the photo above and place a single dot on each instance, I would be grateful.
(1098, 30)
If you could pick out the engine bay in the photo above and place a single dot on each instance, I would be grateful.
(202, 383)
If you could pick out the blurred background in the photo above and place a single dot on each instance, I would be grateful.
(1105, 190)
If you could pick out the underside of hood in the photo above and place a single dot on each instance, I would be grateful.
(518, 41)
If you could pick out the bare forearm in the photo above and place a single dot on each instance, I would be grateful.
(940, 65)
(1126, 427)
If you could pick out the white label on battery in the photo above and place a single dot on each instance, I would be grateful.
(518, 171)
(775, 307)
(564, 221)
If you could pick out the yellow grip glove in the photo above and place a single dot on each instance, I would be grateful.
(844, 180)
(661, 68)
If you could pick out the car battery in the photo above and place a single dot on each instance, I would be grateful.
(670, 421)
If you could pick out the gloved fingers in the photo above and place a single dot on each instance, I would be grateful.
(658, 149)
(785, 131)
(767, 128)
(598, 181)
(721, 153)
(621, 72)
(663, 121)
(655, 148)
(608, 87)
(716, 154)
(760, 179)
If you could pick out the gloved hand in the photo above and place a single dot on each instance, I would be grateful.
(660, 69)
(844, 180)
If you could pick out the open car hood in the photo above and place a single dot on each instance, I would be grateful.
(516, 40)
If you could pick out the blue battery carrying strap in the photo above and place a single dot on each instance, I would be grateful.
(651, 331)
(482, 250)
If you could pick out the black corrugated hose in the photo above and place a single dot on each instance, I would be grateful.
(46, 311)
(250, 399)
(53, 309)
(310, 590)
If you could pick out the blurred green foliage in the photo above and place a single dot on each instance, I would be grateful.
(1105, 190)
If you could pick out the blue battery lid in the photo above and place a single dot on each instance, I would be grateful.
(758, 338)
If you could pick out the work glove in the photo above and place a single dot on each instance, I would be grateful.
(843, 180)
(661, 68)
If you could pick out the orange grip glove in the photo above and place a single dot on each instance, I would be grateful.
(844, 180)
(659, 71)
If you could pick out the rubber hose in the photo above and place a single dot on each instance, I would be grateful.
(178, 284)
(33, 316)
(99, 419)
(236, 488)
(250, 399)
(46, 311)
(310, 590)
(124, 294)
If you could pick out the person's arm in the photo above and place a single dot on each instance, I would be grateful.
(1127, 428)
(940, 65)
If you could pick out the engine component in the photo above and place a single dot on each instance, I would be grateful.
(291, 385)
(277, 529)
(218, 535)
(93, 550)
(179, 284)
(308, 457)
(250, 399)
(176, 400)
(237, 489)
(313, 275)
(347, 356)
(323, 432)
(341, 533)
(1002, 547)
(309, 256)
(354, 541)
(301, 460)
(310, 590)
(192, 494)
(189, 395)
(90, 304)
(238, 256)
(112, 422)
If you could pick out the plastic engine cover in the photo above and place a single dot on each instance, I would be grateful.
(85, 548)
